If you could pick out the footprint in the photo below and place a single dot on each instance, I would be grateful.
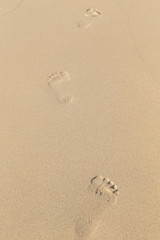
(57, 78)
(91, 15)
(65, 99)
(7, 6)
(103, 193)
(101, 185)
(55, 81)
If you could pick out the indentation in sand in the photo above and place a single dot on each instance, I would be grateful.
(105, 194)
(91, 15)
(55, 81)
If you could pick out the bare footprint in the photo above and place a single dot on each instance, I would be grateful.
(103, 194)
(55, 81)
(91, 15)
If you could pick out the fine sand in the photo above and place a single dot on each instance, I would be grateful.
(79, 120)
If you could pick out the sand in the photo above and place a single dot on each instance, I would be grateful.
(80, 119)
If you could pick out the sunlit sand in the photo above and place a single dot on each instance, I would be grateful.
(80, 120)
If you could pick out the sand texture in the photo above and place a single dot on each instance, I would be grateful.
(79, 120)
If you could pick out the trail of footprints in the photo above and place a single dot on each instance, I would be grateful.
(103, 190)
(58, 79)
(104, 193)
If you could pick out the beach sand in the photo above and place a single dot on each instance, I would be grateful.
(80, 120)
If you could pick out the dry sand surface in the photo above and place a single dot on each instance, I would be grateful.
(79, 120)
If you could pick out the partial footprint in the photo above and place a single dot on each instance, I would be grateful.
(85, 227)
(101, 186)
(56, 81)
(65, 99)
(91, 15)
(57, 78)
(7, 6)
(103, 193)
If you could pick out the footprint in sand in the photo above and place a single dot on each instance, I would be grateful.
(91, 15)
(56, 81)
(103, 193)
